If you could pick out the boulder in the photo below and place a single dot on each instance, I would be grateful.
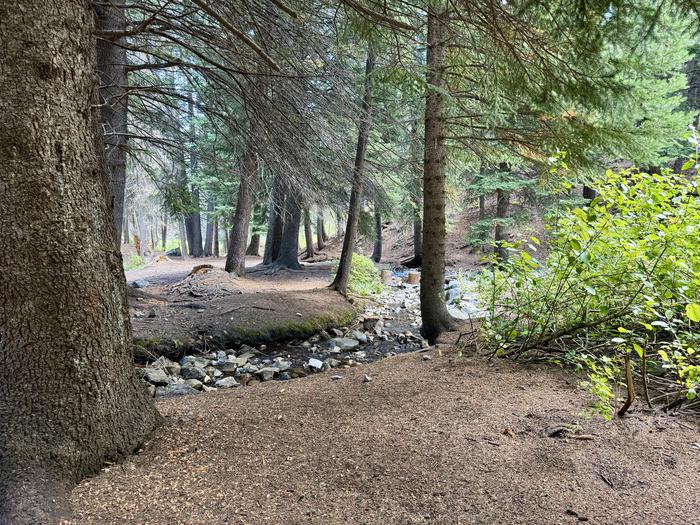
(227, 367)
(315, 364)
(156, 376)
(267, 373)
(190, 371)
(226, 382)
(361, 337)
(174, 390)
(195, 383)
(345, 343)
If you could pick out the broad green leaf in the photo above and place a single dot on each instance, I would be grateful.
(692, 310)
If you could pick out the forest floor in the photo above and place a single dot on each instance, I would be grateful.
(440, 440)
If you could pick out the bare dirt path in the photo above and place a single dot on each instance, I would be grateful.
(450, 440)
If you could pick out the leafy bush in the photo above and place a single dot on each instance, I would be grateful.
(364, 276)
(620, 286)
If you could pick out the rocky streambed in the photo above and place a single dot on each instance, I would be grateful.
(388, 325)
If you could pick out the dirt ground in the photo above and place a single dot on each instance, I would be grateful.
(451, 440)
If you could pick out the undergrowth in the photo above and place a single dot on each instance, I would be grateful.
(617, 296)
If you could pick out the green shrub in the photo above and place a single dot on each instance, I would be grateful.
(621, 281)
(364, 276)
(135, 261)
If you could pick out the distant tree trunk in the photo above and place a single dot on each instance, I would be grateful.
(275, 223)
(164, 233)
(309, 235)
(502, 203)
(342, 276)
(324, 234)
(111, 68)
(254, 246)
(127, 238)
(183, 239)
(320, 231)
(154, 237)
(377, 251)
(143, 234)
(339, 222)
(417, 240)
(216, 237)
(209, 239)
(69, 397)
(289, 247)
(436, 318)
(589, 193)
(196, 248)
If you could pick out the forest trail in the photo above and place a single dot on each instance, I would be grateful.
(439, 440)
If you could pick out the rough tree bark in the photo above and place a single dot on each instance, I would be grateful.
(436, 318)
(216, 237)
(69, 398)
(254, 245)
(377, 251)
(289, 247)
(183, 239)
(164, 232)
(238, 237)
(308, 234)
(209, 238)
(320, 231)
(275, 223)
(340, 283)
(111, 67)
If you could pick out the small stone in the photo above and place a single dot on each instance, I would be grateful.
(156, 377)
(336, 332)
(361, 337)
(282, 365)
(284, 376)
(427, 357)
(366, 379)
(244, 379)
(195, 383)
(227, 367)
(152, 313)
(332, 362)
(221, 356)
(336, 378)
(226, 382)
(323, 335)
(315, 363)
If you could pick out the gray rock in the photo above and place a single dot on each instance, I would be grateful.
(336, 378)
(336, 332)
(345, 343)
(316, 364)
(226, 382)
(282, 365)
(195, 383)
(227, 367)
(190, 371)
(366, 379)
(427, 357)
(324, 336)
(362, 338)
(156, 376)
(174, 390)
(140, 283)
(332, 363)
(221, 356)
(284, 376)
(267, 373)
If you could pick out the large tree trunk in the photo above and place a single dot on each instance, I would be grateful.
(238, 238)
(342, 276)
(195, 225)
(69, 397)
(377, 251)
(289, 247)
(209, 239)
(309, 235)
(320, 231)
(111, 67)
(275, 223)
(436, 318)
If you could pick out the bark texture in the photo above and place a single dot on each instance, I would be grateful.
(436, 318)
(69, 397)
(320, 231)
(209, 239)
(377, 251)
(254, 245)
(308, 235)
(289, 247)
(111, 67)
(275, 223)
(342, 276)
